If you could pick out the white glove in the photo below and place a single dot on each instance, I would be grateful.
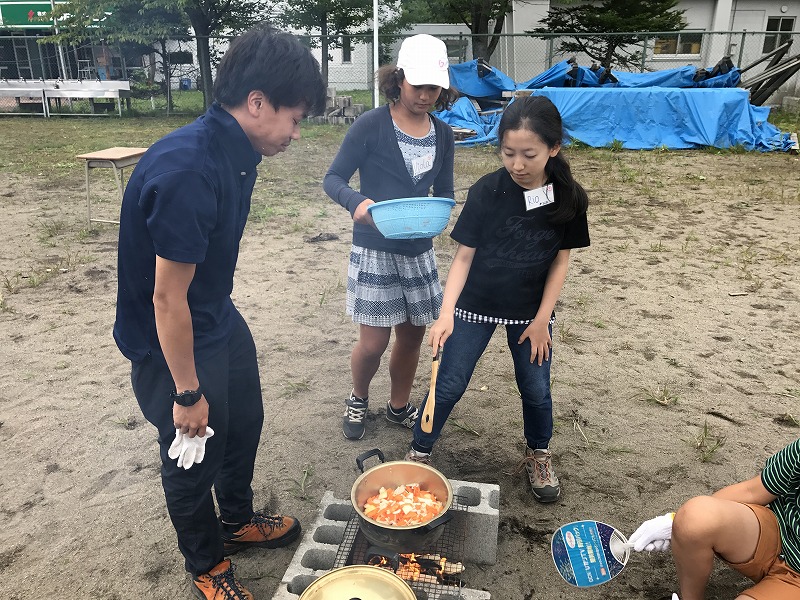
(675, 596)
(654, 534)
(189, 451)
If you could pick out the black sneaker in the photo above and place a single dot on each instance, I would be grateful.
(406, 417)
(355, 412)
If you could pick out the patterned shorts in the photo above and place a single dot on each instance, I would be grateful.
(385, 289)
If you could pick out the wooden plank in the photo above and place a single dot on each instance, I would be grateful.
(795, 147)
(517, 93)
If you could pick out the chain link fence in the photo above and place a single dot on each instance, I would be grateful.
(168, 79)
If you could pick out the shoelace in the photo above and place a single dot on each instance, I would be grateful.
(262, 521)
(356, 414)
(540, 466)
(227, 584)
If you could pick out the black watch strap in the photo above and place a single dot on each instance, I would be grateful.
(187, 397)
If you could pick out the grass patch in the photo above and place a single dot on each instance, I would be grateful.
(707, 442)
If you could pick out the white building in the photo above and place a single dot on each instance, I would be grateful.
(745, 30)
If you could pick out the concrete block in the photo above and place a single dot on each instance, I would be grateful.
(317, 550)
(482, 520)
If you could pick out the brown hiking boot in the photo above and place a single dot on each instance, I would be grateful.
(263, 531)
(220, 584)
(544, 482)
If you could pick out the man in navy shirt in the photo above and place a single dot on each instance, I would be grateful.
(194, 368)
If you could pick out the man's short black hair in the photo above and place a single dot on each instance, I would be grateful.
(274, 62)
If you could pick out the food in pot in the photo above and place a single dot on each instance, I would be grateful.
(402, 506)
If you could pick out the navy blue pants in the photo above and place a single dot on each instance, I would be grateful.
(231, 385)
(460, 355)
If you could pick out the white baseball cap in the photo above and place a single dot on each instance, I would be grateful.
(423, 59)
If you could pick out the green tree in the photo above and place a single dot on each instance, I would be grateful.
(156, 21)
(333, 19)
(217, 17)
(142, 26)
(617, 20)
(484, 18)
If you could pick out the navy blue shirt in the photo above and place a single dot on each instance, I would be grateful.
(187, 201)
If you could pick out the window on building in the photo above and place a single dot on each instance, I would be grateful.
(684, 42)
(182, 57)
(783, 26)
(347, 49)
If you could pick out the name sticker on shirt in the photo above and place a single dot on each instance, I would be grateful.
(421, 165)
(539, 197)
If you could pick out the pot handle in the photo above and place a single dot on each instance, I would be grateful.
(368, 454)
(440, 520)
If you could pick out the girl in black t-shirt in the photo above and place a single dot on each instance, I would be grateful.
(514, 233)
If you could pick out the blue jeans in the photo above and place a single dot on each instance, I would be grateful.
(460, 355)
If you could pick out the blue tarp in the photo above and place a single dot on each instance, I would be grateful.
(641, 110)
(464, 77)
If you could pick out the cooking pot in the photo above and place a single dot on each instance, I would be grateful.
(400, 538)
(358, 582)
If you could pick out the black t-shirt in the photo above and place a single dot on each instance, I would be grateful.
(514, 247)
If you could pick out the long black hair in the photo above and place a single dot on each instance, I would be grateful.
(390, 77)
(539, 115)
(277, 64)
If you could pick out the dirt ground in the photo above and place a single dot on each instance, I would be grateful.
(675, 369)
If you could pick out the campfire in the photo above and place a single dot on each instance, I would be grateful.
(423, 568)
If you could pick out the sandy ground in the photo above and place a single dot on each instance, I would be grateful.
(675, 372)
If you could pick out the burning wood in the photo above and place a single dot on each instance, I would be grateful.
(429, 568)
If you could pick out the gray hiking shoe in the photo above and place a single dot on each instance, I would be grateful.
(542, 477)
(355, 412)
(419, 457)
(406, 417)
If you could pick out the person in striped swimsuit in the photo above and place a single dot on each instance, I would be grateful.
(753, 526)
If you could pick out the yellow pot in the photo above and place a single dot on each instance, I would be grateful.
(359, 582)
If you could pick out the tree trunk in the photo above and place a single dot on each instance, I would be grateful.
(324, 42)
(202, 30)
(166, 71)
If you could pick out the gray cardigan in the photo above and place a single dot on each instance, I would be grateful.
(370, 146)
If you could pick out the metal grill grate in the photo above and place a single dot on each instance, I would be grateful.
(352, 551)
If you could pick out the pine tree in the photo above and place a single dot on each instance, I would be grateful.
(618, 21)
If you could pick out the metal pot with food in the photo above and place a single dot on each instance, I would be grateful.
(358, 582)
(402, 506)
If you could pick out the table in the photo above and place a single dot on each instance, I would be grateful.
(116, 158)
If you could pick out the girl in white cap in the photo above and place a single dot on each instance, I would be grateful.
(400, 151)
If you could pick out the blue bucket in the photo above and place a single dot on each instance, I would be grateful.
(411, 218)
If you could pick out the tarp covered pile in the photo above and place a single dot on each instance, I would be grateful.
(684, 107)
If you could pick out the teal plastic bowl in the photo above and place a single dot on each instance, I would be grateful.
(411, 218)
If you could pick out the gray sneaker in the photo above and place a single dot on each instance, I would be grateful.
(355, 412)
(542, 477)
(419, 457)
(406, 418)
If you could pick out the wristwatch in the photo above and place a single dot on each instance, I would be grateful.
(187, 397)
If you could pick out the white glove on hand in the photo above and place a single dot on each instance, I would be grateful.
(654, 534)
(189, 451)
(675, 596)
